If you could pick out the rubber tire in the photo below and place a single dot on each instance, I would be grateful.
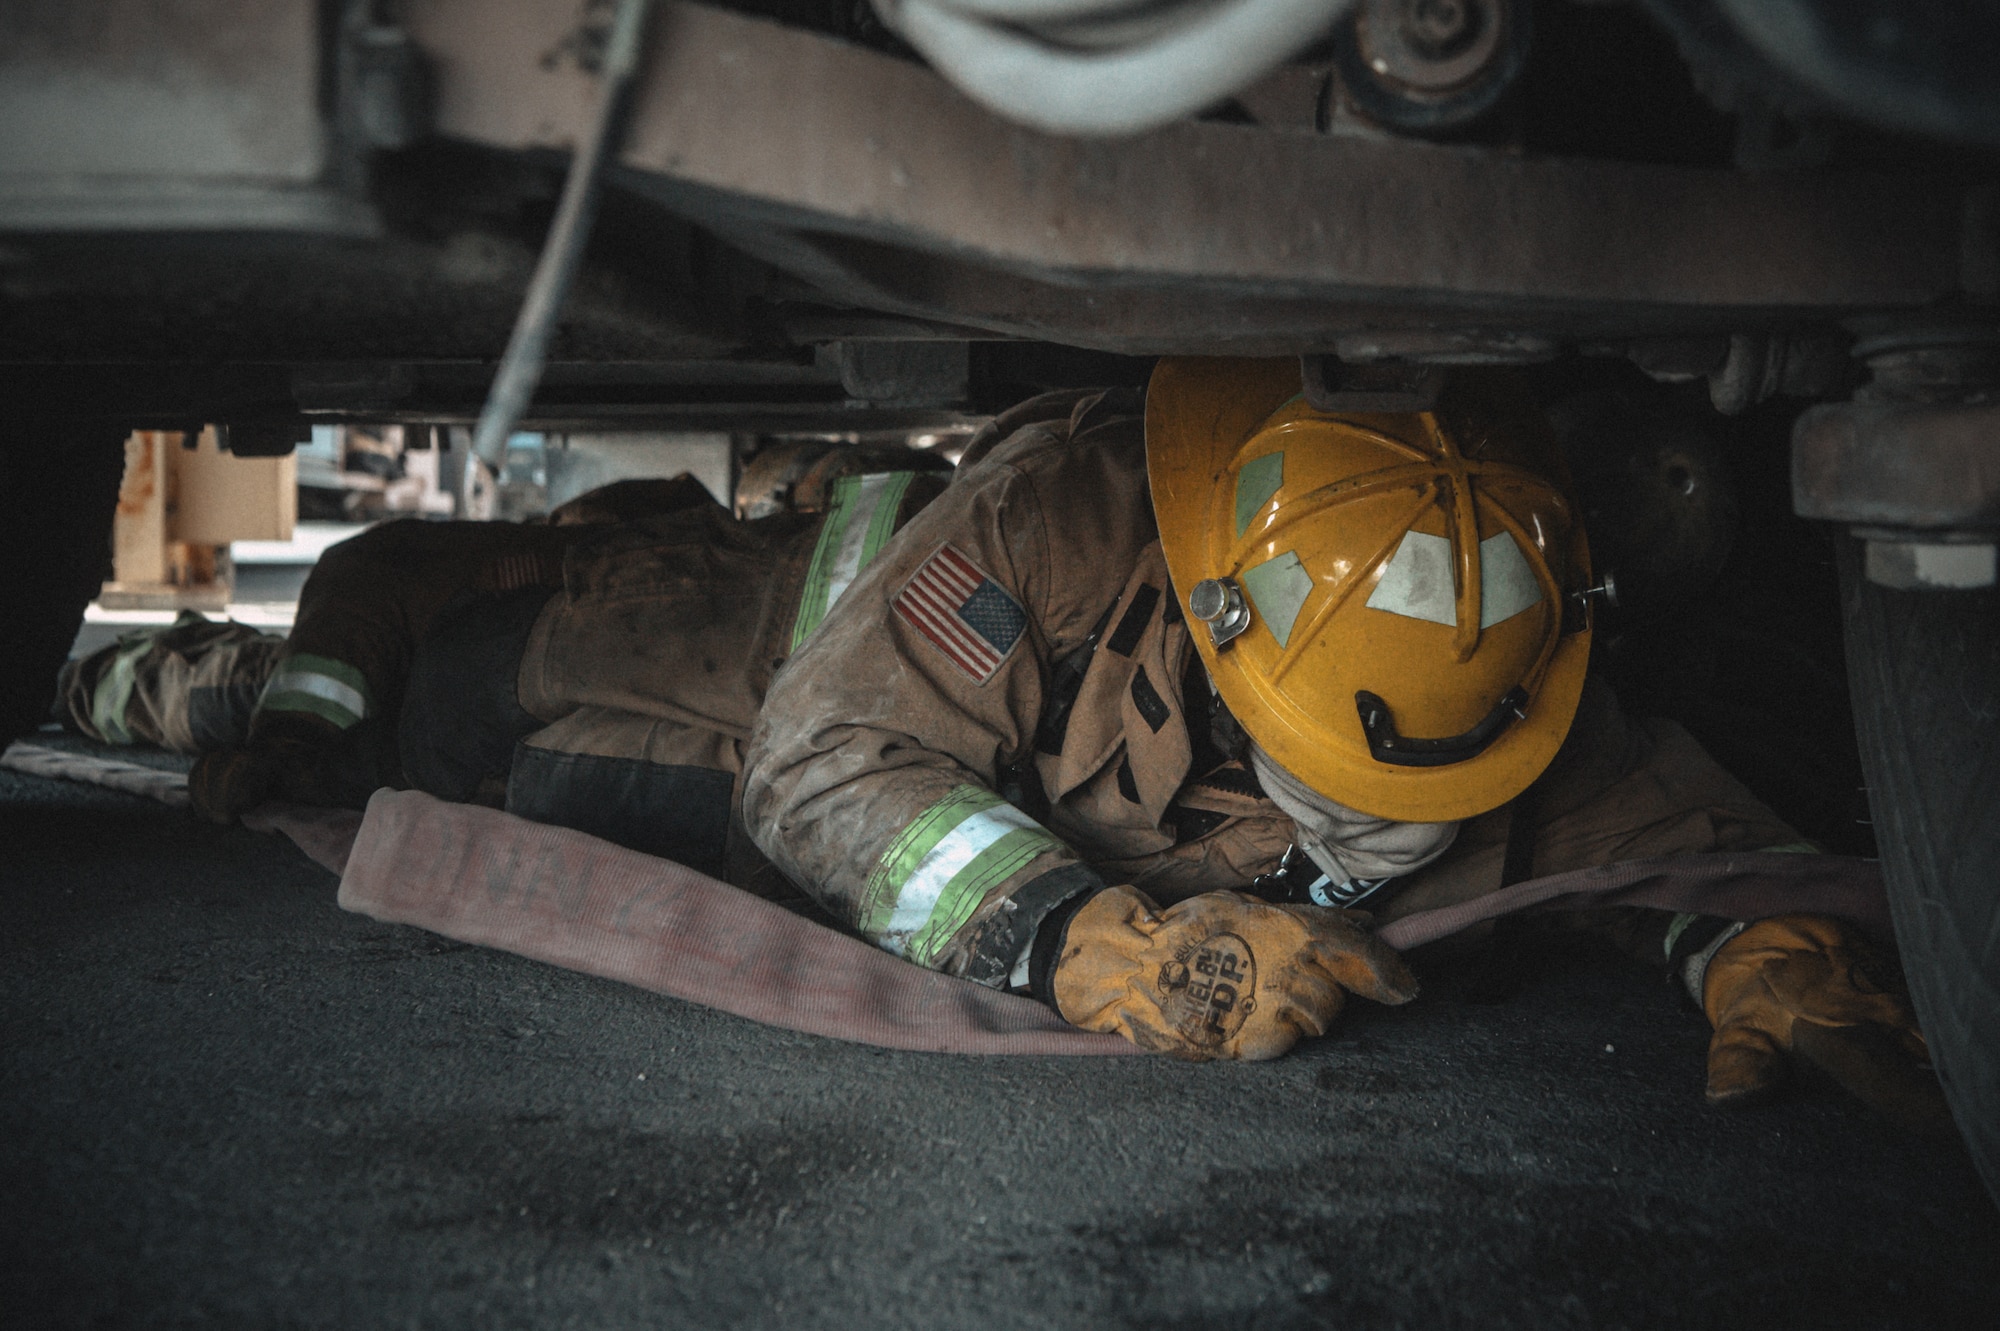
(1925, 667)
(58, 492)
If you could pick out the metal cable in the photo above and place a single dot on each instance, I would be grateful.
(527, 349)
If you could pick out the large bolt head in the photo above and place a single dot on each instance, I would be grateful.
(1441, 28)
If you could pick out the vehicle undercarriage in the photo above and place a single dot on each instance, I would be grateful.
(269, 216)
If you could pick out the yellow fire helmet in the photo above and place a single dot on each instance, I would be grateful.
(1385, 601)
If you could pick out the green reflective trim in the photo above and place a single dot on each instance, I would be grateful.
(962, 894)
(1278, 587)
(1256, 482)
(321, 686)
(918, 839)
(936, 872)
(860, 519)
(812, 597)
(113, 693)
(1675, 928)
(307, 663)
(312, 704)
(882, 517)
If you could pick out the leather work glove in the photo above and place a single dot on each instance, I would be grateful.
(1799, 987)
(1221, 975)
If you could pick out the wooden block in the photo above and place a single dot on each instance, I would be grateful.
(208, 597)
(219, 497)
(139, 529)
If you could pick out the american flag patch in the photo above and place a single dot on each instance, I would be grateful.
(964, 613)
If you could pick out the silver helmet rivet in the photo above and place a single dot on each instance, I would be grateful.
(1219, 603)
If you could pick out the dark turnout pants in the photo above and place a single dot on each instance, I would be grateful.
(339, 694)
(461, 732)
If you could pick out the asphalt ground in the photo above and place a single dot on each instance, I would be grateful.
(228, 1104)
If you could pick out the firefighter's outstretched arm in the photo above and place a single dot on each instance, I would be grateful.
(873, 775)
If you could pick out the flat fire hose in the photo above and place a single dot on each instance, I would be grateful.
(561, 896)
(482, 876)
(570, 899)
(1739, 885)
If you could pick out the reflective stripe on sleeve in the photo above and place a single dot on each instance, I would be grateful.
(860, 519)
(1675, 928)
(332, 690)
(1694, 971)
(937, 871)
(114, 691)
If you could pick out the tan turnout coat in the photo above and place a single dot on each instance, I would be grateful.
(872, 773)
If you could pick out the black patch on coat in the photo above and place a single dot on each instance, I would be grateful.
(1066, 683)
(677, 812)
(1128, 785)
(1148, 700)
(1193, 824)
(1214, 737)
(1137, 615)
(1021, 786)
(1232, 779)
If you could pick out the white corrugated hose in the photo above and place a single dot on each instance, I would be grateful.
(1102, 67)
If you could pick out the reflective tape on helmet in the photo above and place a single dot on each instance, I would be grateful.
(940, 867)
(319, 686)
(1507, 586)
(860, 519)
(1417, 581)
(1278, 588)
(1256, 482)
